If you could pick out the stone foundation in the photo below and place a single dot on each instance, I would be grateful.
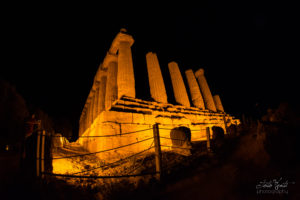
(130, 115)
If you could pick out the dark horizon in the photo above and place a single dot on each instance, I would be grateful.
(247, 54)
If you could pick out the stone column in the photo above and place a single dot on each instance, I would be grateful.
(208, 99)
(196, 95)
(92, 106)
(179, 89)
(91, 112)
(88, 115)
(111, 94)
(96, 107)
(125, 79)
(89, 109)
(85, 121)
(102, 90)
(96, 97)
(218, 103)
(156, 82)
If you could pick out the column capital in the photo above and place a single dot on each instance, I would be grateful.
(172, 63)
(108, 59)
(84, 110)
(121, 37)
(100, 73)
(91, 94)
(88, 100)
(199, 72)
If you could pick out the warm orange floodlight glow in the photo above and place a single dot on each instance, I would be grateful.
(113, 113)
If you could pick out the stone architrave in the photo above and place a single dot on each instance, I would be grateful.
(125, 79)
(207, 96)
(179, 89)
(111, 94)
(196, 95)
(218, 103)
(156, 82)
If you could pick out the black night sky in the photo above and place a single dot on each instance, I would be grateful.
(52, 52)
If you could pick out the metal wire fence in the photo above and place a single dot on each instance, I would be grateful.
(41, 157)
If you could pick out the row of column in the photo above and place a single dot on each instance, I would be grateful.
(114, 79)
(199, 90)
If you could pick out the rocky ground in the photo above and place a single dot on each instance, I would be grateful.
(233, 171)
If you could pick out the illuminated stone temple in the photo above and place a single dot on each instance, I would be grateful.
(112, 109)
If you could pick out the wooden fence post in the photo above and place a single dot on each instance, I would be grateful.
(38, 148)
(157, 151)
(43, 154)
(208, 139)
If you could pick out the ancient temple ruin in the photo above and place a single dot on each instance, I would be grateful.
(113, 109)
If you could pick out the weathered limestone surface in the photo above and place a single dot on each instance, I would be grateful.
(85, 119)
(115, 122)
(125, 79)
(218, 103)
(88, 115)
(112, 110)
(111, 86)
(97, 100)
(109, 58)
(196, 95)
(83, 122)
(207, 96)
(178, 85)
(92, 104)
(102, 90)
(121, 36)
(156, 82)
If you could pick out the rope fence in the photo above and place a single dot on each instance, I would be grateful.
(156, 141)
(110, 164)
(103, 150)
(95, 177)
(112, 135)
(170, 129)
(121, 134)
(173, 147)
